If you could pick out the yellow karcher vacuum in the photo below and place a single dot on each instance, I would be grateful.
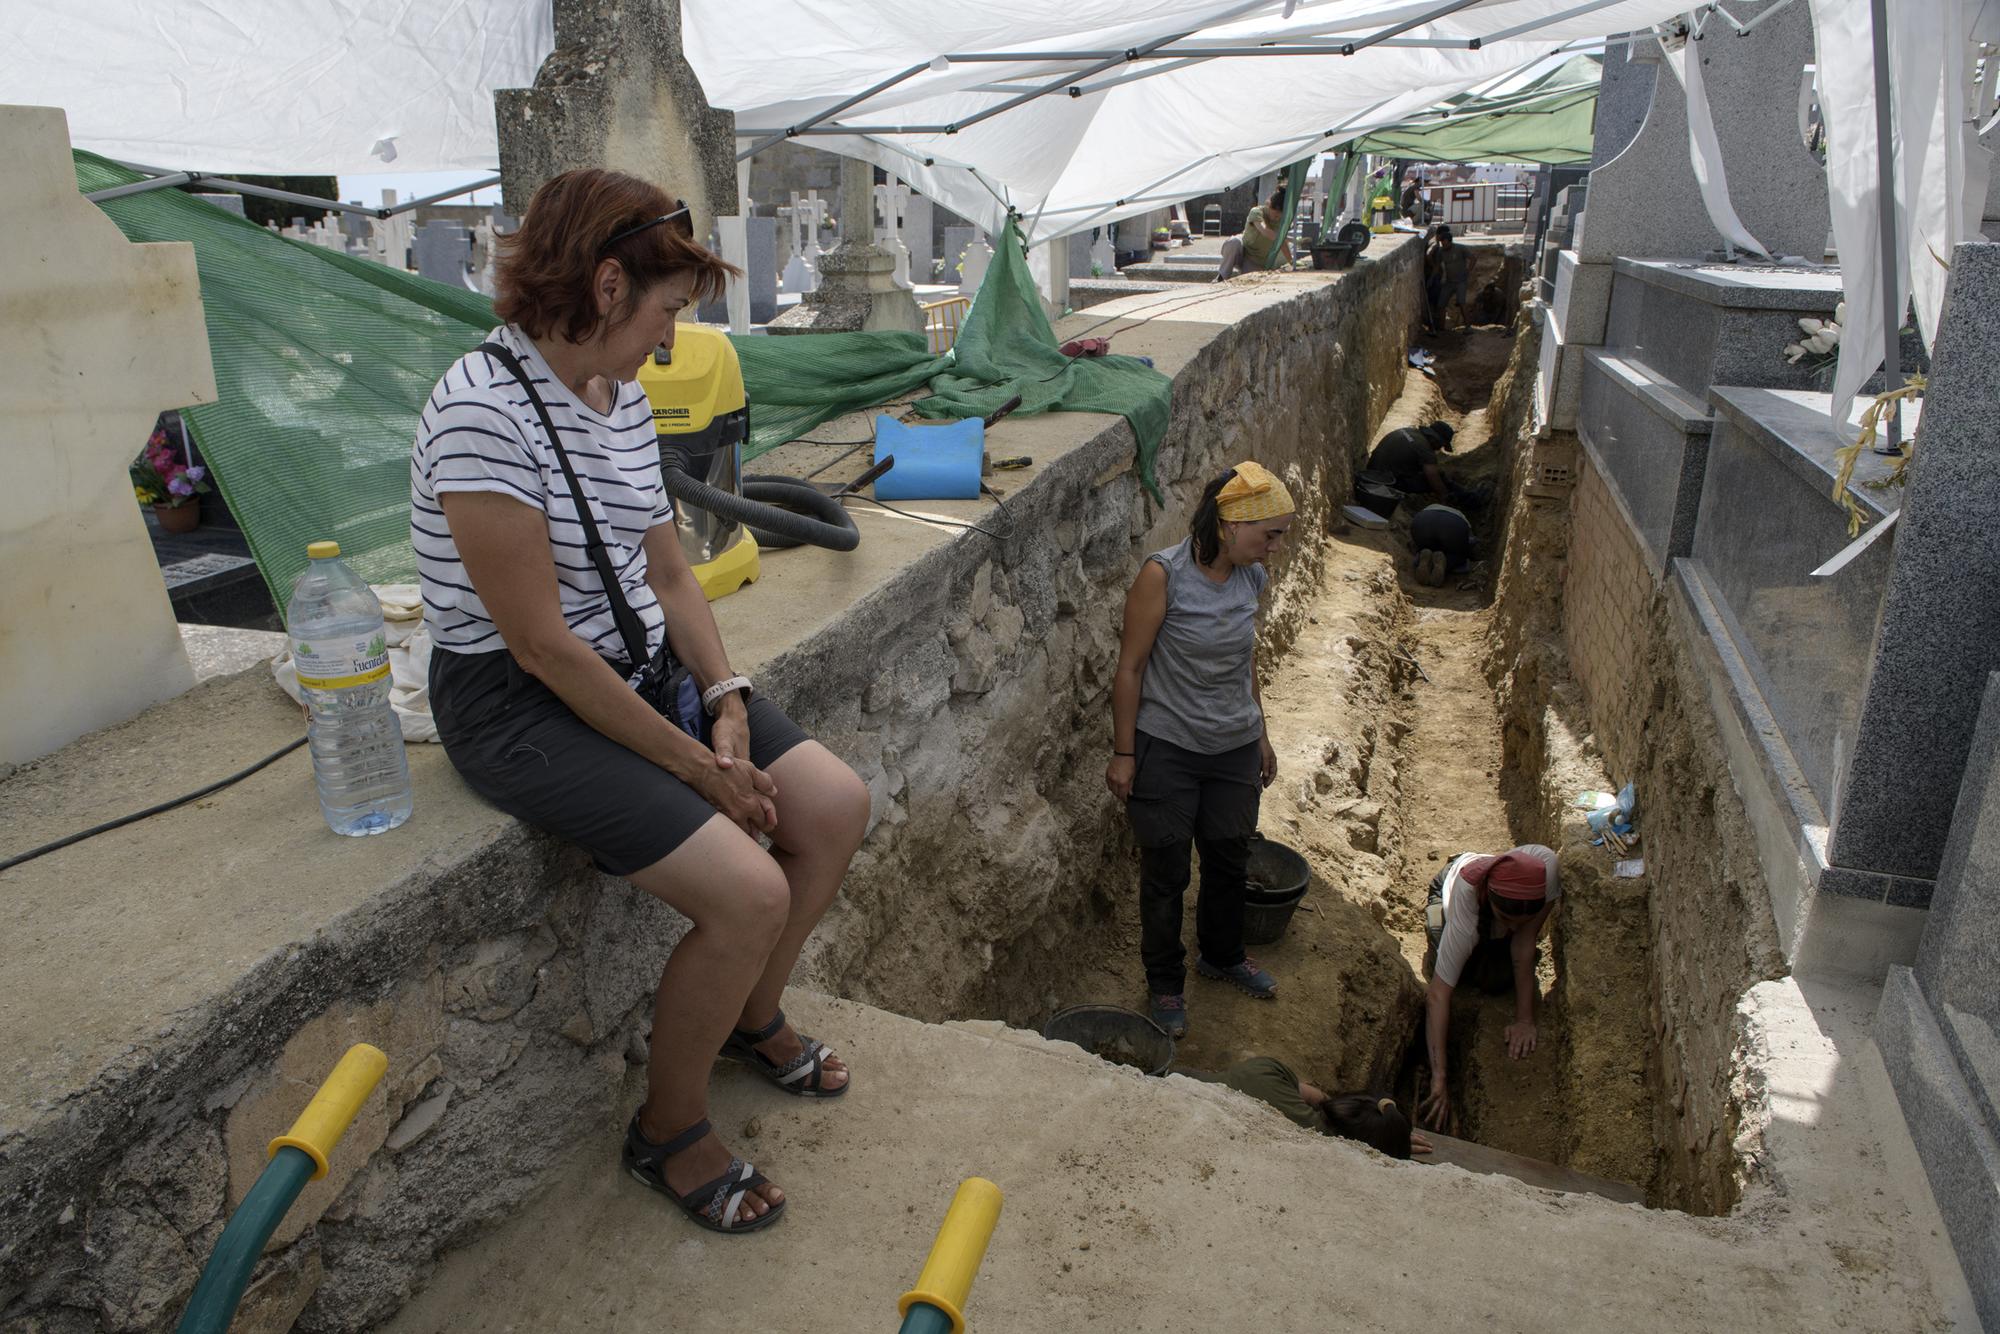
(702, 417)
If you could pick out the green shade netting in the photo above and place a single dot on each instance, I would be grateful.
(1005, 346)
(1550, 122)
(323, 363)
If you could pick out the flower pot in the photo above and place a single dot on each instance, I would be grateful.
(178, 518)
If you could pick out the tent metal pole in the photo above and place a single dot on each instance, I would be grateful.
(759, 145)
(166, 182)
(1506, 34)
(1885, 187)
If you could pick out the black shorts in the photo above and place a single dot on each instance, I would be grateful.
(519, 746)
(1179, 794)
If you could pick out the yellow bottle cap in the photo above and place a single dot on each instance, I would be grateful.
(322, 550)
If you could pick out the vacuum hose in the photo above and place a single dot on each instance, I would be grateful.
(795, 498)
(771, 525)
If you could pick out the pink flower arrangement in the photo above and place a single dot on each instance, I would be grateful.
(160, 476)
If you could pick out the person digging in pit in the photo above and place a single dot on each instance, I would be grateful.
(1189, 755)
(1370, 1118)
(1443, 542)
(1476, 903)
(1410, 455)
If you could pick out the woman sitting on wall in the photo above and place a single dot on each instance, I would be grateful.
(1189, 754)
(557, 684)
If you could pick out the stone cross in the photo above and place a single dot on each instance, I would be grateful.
(891, 206)
(1102, 257)
(857, 290)
(101, 334)
(390, 242)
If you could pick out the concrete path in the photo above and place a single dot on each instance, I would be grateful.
(1163, 1205)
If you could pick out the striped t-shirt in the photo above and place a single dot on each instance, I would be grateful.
(480, 433)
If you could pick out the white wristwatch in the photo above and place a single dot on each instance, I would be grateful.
(711, 698)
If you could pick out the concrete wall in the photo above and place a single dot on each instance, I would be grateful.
(97, 336)
(510, 984)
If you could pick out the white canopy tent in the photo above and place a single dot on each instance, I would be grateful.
(1074, 113)
(334, 87)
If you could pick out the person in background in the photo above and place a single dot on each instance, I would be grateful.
(1445, 279)
(1413, 200)
(1370, 1118)
(1251, 252)
(1442, 539)
(1190, 757)
(534, 469)
(1484, 916)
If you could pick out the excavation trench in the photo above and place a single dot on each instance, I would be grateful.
(1393, 757)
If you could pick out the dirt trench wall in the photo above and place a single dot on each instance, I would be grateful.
(1597, 688)
(975, 696)
(511, 985)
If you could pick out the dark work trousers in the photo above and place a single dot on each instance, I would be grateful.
(1181, 799)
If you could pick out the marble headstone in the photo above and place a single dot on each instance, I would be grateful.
(443, 252)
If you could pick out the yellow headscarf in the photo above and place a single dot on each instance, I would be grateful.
(1253, 493)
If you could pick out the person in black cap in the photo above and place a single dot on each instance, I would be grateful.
(1409, 454)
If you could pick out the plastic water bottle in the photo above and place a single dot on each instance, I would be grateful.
(342, 654)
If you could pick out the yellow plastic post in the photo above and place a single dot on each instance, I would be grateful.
(961, 1244)
(333, 1108)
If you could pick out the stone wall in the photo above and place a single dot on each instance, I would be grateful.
(511, 985)
(1598, 687)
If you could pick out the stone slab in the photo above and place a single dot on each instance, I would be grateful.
(1951, 1122)
(1558, 385)
(1940, 630)
(1650, 441)
(1961, 948)
(1581, 303)
(1766, 520)
(1829, 924)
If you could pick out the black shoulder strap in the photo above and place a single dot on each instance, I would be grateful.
(630, 628)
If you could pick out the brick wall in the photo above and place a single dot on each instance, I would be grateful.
(1608, 591)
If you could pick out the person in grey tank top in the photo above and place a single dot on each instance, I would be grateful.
(1189, 755)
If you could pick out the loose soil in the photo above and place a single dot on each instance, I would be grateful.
(1389, 749)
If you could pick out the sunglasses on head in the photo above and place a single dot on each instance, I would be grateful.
(680, 210)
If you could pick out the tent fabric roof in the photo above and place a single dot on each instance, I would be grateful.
(255, 86)
(1140, 131)
(1552, 122)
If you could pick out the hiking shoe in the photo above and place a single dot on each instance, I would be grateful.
(1245, 976)
(1170, 1013)
(1430, 569)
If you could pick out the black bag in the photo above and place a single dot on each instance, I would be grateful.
(660, 679)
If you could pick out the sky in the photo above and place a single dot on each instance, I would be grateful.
(415, 185)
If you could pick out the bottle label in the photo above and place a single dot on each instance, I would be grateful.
(337, 664)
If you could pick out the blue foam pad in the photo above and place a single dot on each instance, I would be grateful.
(933, 462)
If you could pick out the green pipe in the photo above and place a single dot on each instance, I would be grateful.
(227, 1272)
(926, 1319)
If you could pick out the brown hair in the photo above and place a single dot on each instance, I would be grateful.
(545, 269)
(1206, 525)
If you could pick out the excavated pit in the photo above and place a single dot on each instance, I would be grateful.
(1406, 735)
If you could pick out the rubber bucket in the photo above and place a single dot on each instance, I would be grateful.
(1115, 1034)
(1375, 496)
(1278, 879)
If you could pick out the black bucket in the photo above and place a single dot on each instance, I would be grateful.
(1334, 255)
(1278, 878)
(1115, 1034)
(1377, 497)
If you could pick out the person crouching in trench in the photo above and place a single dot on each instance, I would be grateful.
(1476, 902)
(1190, 757)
